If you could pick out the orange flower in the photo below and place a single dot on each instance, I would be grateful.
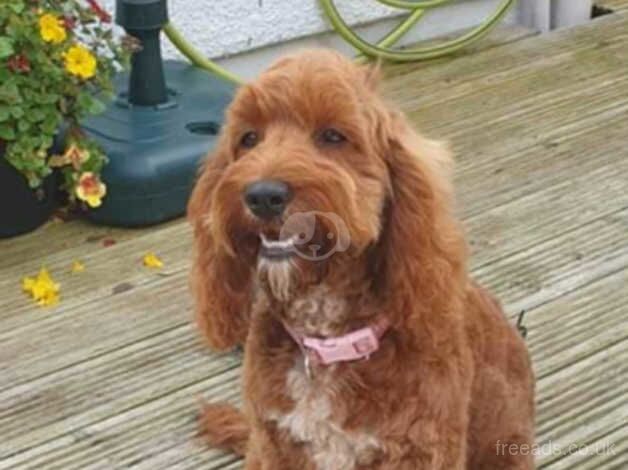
(90, 189)
(73, 155)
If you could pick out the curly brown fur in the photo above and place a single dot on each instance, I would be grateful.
(451, 380)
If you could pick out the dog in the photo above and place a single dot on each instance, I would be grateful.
(326, 244)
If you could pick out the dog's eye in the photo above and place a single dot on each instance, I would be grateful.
(249, 139)
(332, 136)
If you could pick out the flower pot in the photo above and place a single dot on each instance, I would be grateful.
(23, 209)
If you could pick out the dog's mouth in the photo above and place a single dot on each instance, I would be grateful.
(273, 249)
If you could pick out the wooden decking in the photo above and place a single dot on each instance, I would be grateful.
(110, 378)
(615, 5)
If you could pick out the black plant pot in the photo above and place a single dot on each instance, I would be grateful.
(23, 209)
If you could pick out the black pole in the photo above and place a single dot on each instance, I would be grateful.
(144, 20)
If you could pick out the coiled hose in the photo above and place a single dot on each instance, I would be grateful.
(383, 49)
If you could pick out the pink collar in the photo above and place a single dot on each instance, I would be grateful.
(359, 344)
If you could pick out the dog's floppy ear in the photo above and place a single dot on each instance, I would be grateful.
(421, 252)
(372, 75)
(220, 281)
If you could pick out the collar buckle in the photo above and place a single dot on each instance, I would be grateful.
(357, 345)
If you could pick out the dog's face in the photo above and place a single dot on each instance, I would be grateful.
(305, 185)
(315, 179)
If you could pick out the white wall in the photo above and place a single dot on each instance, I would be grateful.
(245, 35)
(222, 27)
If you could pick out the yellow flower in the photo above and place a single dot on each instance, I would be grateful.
(51, 28)
(151, 260)
(90, 189)
(42, 288)
(73, 155)
(80, 61)
(77, 267)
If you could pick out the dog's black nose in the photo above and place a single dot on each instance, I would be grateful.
(267, 198)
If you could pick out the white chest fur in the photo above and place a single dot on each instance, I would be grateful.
(311, 422)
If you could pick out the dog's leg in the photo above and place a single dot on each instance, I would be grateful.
(268, 451)
(433, 446)
(435, 425)
(428, 463)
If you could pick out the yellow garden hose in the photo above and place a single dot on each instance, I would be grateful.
(383, 49)
(408, 55)
(396, 34)
(421, 4)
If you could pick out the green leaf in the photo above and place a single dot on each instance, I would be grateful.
(90, 104)
(23, 126)
(4, 113)
(97, 107)
(35, 115)
(32, 141)
(49, 98)
(50, 124)
(6, 47)
(17, 112)
(7, 132)
(17, 7)
(47, 140)
(9, 93)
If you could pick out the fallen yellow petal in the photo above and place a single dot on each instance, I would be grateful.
(151, 260)
(27, 284)
(77, 267)
(42, 288)
(50, 298)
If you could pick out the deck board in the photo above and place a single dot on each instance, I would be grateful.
(111, 377)
(615, 5)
